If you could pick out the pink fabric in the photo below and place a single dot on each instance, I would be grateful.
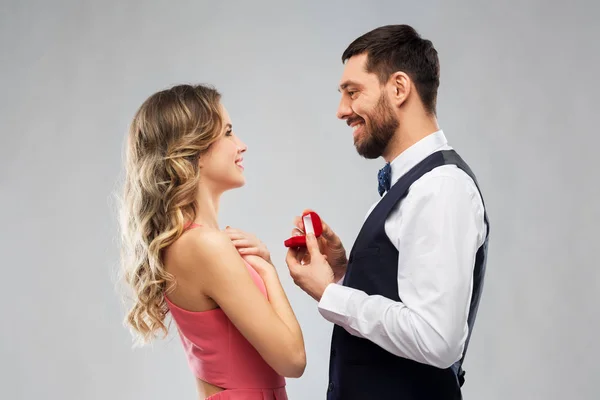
(219, 354)
(250, 394)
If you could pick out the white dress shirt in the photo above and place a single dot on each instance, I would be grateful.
(437, 228)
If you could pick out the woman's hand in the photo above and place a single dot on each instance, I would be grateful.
(260, 265)
(247, 244)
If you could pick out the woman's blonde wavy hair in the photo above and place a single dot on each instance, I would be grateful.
(170, 132)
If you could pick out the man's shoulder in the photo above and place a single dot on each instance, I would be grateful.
(444, 180)
(448, 172)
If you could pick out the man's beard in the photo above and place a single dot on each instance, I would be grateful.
(378, 132)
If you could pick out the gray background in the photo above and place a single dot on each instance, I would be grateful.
(518, 96)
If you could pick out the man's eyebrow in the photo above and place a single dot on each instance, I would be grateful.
(345, 84)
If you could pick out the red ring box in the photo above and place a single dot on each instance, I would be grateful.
(312, 224)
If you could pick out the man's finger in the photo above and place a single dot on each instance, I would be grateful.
(328, 233)
(312, 245)
(293, 252)
(298, 224)
(300, 254)
(305, 259)
(291, 261)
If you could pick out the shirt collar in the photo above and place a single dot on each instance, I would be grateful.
(417, 153)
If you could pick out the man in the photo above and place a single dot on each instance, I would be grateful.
(405, 301)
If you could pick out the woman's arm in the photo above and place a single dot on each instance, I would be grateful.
(210, 261)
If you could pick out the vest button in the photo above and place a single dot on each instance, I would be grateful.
(333, 352)
(330, 388)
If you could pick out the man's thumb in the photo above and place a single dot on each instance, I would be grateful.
(312, 245)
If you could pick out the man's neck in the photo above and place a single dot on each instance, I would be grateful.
(408, 134)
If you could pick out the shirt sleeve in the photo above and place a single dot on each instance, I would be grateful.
(442, 226)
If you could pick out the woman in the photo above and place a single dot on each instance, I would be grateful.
(239, 332)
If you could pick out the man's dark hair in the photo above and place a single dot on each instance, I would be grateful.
(393, 48)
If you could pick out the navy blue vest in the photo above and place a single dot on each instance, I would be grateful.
(360, 369)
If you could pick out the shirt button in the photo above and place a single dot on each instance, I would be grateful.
(330, 388)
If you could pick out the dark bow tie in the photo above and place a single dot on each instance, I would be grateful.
(385, 178)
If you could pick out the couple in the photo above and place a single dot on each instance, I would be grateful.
(403, 301)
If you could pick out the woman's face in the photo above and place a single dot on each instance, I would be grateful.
(221, 167)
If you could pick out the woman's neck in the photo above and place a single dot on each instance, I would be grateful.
(207, 212)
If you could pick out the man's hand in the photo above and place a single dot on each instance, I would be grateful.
(329, 244)
(314, 276)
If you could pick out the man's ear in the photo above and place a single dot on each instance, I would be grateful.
(400, 87)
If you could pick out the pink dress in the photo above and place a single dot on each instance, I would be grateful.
(219, 354)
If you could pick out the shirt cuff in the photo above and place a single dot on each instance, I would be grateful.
(334, 302)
